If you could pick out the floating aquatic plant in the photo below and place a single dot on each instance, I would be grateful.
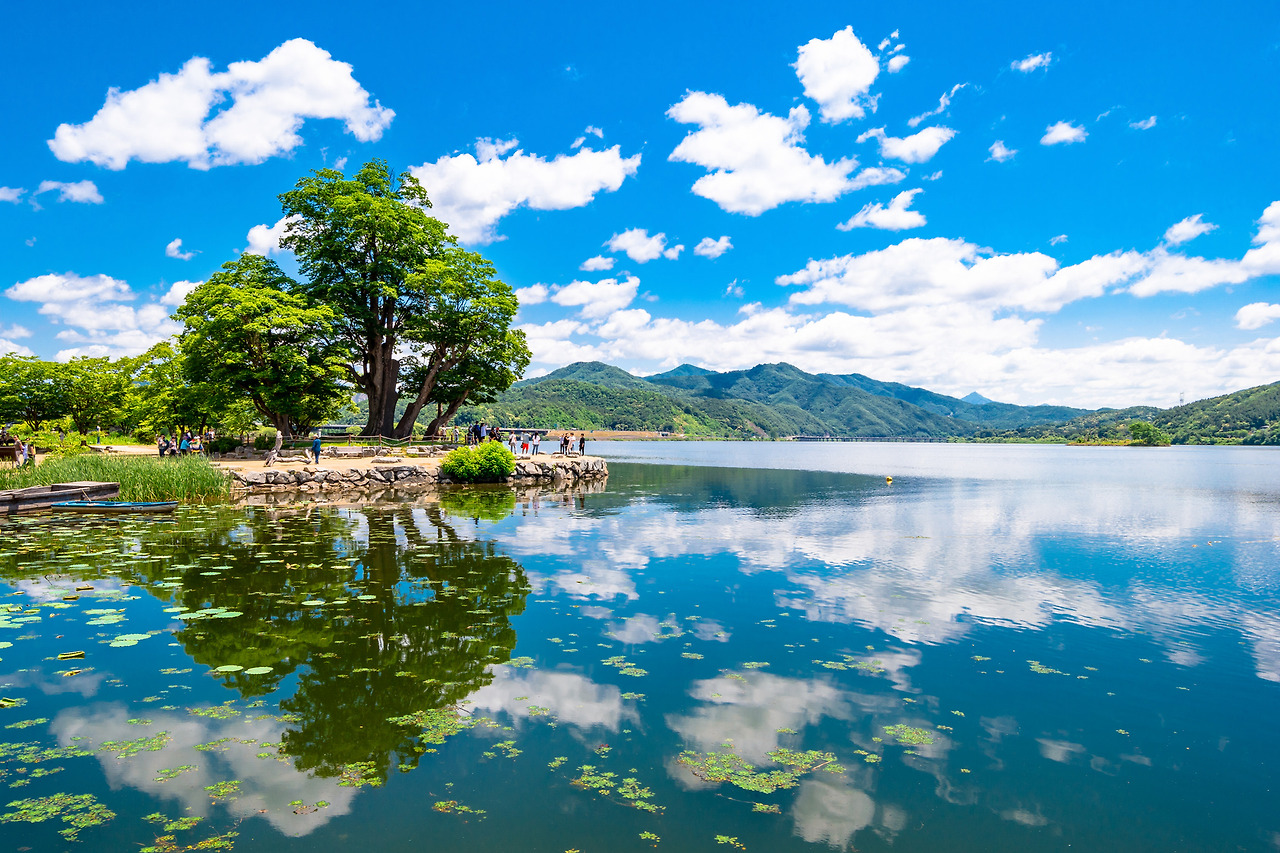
(908, 735)
(78, 811)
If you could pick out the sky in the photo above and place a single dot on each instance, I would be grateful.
(1044, 203)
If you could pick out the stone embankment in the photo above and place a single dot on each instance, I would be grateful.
(401, 475)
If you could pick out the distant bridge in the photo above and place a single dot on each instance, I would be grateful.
(924, 439)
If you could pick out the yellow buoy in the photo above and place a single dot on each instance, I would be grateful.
(888, 479)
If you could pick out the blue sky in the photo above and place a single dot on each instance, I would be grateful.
(1043, 203)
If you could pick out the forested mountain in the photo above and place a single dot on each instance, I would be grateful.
(774, 400)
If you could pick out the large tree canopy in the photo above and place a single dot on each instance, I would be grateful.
(246, 332)
(409, 304)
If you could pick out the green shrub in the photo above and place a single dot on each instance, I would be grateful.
(264, 440)
(486, 463)
(224, 445)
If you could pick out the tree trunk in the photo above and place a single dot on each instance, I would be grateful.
(442, 419)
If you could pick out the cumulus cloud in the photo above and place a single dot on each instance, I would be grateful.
(1000, 152)
(596, 299)
(9, 337)
(93, 315)
(895, 217)
(837, 74)
(472, 193)
(174, 250)
(1032, 62)
(11, 194)
(1063, 132)
(177, 293)
(596, 264)
(674, 252)
(639, 245)
(1145, 124)
(944, 101)
(265, 239)
(1255, 315)
(709, 248)
(533, 294)
(84, 192)
(261, 106)
(1188, 229)
(756, 160)
(917, 148)
(897, 63)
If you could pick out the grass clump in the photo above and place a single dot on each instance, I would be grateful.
(141, 478)
(487, 462)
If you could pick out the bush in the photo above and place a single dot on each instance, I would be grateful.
(486, 463)
(224, 445)
(264, 440)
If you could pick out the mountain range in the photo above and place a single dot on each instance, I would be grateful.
(779, 400)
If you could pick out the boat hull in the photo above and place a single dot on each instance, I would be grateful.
(42, 497)
(114, 507)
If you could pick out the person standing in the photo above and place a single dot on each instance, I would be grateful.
(582, 444)
(161, 441)
(184, 446)
(537, 439)
(511, 441)
(524, 444)
(315, 448)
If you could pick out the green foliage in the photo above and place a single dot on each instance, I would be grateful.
(264, 440)
(1146, 435)
(729, 767)
(245, 331)
(485, 463)
(77, 811)
(141, 478)
(490, 504)
(31, 390)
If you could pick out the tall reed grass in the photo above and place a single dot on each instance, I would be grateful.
(141, 478)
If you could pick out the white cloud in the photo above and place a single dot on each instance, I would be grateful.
(169, 118)
(756, 160)
(91, 310)
(533, 294)
(837, 73)
(265, 239)
(1032, 62)
(599, 298)
(734, 289)
(638, 244)
(596, 264)
(1061, 238)
(876, 176)
(895, 217)
(898, 62)
(11, 194)
(917, 148)
(709, 248)
(944, 101)
(1063, 132)
(1255, 315)
(85, 192)
(178, 291)
(69, 287)
(8, 347)
(1000, 152)
(472, 193)
(673, 253)
(598, 133)
(1188, 229)
(174, 250)
(1145, 124)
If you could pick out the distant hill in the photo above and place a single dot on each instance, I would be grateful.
(1251, 416)
(775, 400)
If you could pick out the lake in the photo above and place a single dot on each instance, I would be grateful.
(727, 646)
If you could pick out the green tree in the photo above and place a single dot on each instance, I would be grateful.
(1146, 435)
(32, 390)
(491, 367)
(246, 332)
(96, 390)
(410, 304)
(163, 398)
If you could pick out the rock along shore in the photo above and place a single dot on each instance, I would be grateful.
(404, 474)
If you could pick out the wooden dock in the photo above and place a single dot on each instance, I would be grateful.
(42, 497)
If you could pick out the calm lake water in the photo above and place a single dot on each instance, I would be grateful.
(728, 646)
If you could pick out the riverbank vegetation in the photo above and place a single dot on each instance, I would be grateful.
(141, 478)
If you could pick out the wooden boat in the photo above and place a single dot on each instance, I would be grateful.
(114, 507)
(42, 497)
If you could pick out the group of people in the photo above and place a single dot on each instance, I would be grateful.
(187, 443)
(521, 442)
(15, 450)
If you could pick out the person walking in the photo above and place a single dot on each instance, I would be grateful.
(315, 447)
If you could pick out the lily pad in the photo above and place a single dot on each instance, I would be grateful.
(231, 667)
(259, 670)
